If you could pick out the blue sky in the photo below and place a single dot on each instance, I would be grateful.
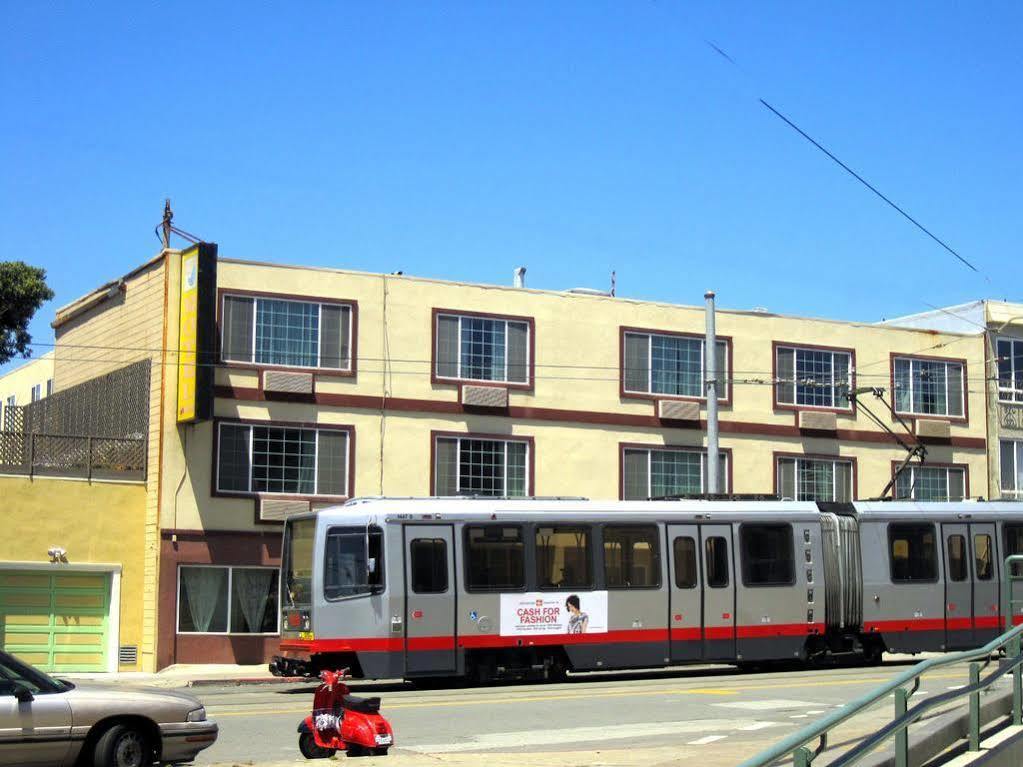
(459, 140)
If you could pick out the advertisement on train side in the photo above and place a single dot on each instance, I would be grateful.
(558, 612)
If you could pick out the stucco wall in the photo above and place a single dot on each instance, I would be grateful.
(97, 523)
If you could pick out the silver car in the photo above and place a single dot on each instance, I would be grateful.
(45, 721)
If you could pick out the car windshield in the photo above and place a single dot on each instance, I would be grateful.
(12, 670)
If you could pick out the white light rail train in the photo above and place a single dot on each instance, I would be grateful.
(489, 588)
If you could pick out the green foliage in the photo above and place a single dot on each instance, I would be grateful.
(23, 290)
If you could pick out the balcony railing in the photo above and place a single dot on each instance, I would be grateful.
(63, 455)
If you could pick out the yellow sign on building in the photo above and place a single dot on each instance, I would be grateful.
(188, 335)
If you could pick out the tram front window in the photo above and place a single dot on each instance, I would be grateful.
(353, 564)
(298, 562)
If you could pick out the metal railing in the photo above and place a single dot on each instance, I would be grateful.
(62, 455)
(796, 744)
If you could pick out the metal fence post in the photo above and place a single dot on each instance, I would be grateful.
(974, 731)
(1017, 683)
(902, 736)
(801, 757)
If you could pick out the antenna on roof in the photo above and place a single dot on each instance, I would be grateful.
(613, 281)
(166, 228)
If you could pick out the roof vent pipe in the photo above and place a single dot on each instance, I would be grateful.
(519, 280)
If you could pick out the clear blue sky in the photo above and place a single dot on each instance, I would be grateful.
(459, 140)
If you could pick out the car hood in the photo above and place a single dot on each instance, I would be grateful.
(93, 698)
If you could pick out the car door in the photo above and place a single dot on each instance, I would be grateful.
(430, 600)
(33, 732)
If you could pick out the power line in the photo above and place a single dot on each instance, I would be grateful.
(869, 186)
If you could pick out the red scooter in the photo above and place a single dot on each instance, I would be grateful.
(342, 722)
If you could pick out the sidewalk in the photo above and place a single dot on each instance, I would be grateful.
(188, 675)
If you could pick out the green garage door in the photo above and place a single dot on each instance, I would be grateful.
(57, 622)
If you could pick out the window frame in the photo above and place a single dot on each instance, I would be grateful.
(216, 492)
(251, 364)
(724, 392)
(850, 459)
(530, 456)
(965, 468)
(696, 561)
(230, 596)
(624, 447)
(411, 564)
(658, 556)
(1016, 397)
(374, 590)
(1017, 466)
(938, 564)
(744, 560)
(530, 322)
(36, 393)
(959, 419)
(524, 535)
(1007, 529)
(850, 409)
(591, 545)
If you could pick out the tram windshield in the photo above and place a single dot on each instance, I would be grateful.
(298, 562)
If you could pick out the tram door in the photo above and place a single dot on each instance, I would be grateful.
(429, 599)
(686, 588)
(986, 597)
(718, 592)
(971, 585)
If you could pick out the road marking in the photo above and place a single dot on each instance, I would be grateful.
(799, 716)
(774, 704)
(705, 740)
(815, 712)
(479, 700)
(555, 737)
(759, 726)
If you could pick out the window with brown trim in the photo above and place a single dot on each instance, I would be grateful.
(477, 466)
(668, 364)
(810, 377)
(665, 472)
(931, 483)
(473, 348)
(815, 479)
(929, 387)
(286, 332)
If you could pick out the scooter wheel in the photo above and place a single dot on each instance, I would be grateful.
(311, 749)
(380, 751)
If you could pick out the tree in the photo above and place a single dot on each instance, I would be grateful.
(23, 290)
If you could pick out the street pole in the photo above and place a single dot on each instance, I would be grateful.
(711, 387)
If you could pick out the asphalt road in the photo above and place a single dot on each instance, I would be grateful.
(723, 714)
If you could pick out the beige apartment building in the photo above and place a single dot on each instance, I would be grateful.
(30, 381)
(330, 384)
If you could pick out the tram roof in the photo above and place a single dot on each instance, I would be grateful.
(462, 508)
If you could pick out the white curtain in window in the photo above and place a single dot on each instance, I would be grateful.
(204, 586)
(251, 589)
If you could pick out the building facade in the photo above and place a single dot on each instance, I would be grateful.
(28, 382)
(1001, 323)
(331, 384)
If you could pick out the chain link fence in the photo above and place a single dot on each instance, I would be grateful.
(96, 430)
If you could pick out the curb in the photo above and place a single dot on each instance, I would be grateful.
(246, 681)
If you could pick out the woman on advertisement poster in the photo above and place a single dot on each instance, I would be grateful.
(578, 621)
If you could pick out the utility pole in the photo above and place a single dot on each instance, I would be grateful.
(167, 227)
(711, 388)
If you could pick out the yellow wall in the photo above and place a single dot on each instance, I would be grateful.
(97, 523)
(20, 380)
(577, 369)
(126, 328)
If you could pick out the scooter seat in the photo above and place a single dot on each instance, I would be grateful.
(362, 705)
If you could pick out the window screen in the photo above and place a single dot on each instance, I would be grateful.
(631, 557)
(429, 565)
(715, 551)
(983, 559)
(482, 348)
(495, 558)
(685, 562)
(957, 558)
(913, 553)
(563, 557)
(767, 555)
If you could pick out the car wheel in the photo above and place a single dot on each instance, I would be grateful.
(311, 749)
(123, 746)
